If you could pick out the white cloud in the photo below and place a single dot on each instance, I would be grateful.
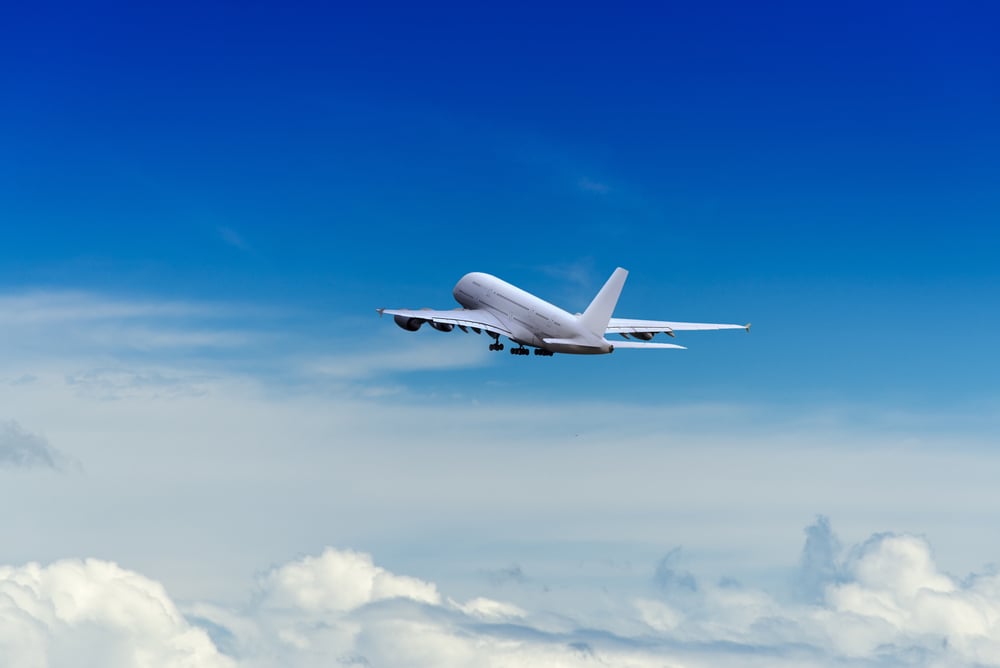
(489, 609)
(340, 581)
(893, 581)
(93, 612)
(891, 606)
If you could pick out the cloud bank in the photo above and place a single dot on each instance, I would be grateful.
(884, 602)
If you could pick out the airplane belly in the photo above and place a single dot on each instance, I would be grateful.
(524, 335)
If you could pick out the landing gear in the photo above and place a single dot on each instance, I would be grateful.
(520, 350)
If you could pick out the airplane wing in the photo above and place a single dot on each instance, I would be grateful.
(463, 318)
(626, 326)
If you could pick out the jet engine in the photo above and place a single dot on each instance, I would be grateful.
(408, 323)
(644, 336)
(442, 326)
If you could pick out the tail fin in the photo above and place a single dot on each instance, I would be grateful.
(598, 314)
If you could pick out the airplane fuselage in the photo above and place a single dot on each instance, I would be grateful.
(530, 318)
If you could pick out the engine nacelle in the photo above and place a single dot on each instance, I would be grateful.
(644, 336)
(408, 323)
(442, 326)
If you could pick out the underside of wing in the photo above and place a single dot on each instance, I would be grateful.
(478, 320)
(645, 329)
(648, 345)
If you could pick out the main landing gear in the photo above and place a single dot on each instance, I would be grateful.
(520, 350)
(524, 351)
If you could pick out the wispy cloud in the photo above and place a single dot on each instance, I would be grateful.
(422, 355)
(58, 324)
(589, 185)
(233, 238)
(119, 383)
(22, 449)
(579, 272)
(511, 574)
(69, 306)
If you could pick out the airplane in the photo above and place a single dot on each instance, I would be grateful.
(500, 309)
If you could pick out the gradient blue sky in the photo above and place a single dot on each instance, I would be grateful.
(828, 172)
(201, 207)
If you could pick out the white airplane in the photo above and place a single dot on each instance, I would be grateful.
(500, 309)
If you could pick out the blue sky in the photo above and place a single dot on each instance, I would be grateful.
(201, 207)
(825, 172)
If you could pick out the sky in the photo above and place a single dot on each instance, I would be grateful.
(214, 453)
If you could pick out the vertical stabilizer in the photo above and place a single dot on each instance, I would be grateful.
(598, 314)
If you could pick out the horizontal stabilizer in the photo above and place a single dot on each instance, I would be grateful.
(631, 326)
(645, 344)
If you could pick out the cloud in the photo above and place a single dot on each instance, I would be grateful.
(892, 581)
(338, 581)
(195, 450)
(60, 307)
(669, 579)
(93, 612)
(579, 273)
(154, 342)
(818, 563)
(233, 238)
(891, 606)
(119, 383)
(411, 355)
(22, 449)
(64, 324)
(511, 574)
(592, 186)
